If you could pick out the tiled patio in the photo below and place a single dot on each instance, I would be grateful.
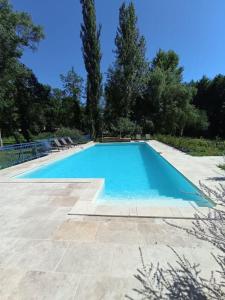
(47, 254)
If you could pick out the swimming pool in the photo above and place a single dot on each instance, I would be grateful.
(132, 171)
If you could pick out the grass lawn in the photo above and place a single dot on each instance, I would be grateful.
(194, 146)
(13, 157)
(11, 140)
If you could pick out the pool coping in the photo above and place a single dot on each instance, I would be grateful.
(87, 204)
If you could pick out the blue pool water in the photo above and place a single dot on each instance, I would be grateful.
(132, 171)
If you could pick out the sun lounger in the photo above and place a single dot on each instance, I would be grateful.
(64, 143)
(71, 142)
(55, 144)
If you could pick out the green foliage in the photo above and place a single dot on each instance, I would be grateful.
(31, 99)
(147, 126)
(139, 96)
(157, 99)
(124, 127)
(72, 85)
(17, 138)
(197, 123)
(35, 108)
(23, 106)
(90, 36)
(61, 132)
(193, 146)
(71, 107)
(168, 62)
(53, 112)
(65, 108)
(27, 106)
(126, 80)
(74, 133)
(222, 167)
(168, 101)
(211, 98)
(17, 32)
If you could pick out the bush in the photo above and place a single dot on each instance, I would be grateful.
(125, 126)
(193, 146)
(61, 132)
(64, 131)
(16, 139)
(222, 167)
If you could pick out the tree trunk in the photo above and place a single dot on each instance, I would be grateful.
(1, 141)
(182, 131)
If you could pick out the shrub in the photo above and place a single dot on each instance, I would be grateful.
(194, 146)
(64, 131)
(15, 139)
(61, 132)
(125, 126)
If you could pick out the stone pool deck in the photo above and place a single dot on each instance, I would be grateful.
(45, 253)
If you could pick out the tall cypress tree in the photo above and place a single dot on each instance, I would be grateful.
(90, 35)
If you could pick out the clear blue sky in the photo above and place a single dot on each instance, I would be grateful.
(195, 29)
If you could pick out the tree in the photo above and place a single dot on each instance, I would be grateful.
(113, 94)
(196, 122)
(168, 62)
(168, 101)
(126, 80)
(17, 32)
(72, 112)
(72, 85)
(53, 112)
(210, 97)
(125, 126)
(30, 100)
(90, 35)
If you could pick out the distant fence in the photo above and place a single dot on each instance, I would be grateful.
(18, 153)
